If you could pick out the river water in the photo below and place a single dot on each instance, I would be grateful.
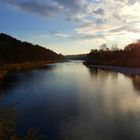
(72, 102)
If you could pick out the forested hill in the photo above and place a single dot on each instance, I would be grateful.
(16, 51)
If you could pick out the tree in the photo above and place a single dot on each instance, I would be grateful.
(104, 47)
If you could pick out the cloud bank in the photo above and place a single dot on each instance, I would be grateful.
(98, 20)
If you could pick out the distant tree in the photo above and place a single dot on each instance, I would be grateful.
(104, 47)
(114, 47)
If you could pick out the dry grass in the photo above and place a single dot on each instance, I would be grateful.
(6, 69)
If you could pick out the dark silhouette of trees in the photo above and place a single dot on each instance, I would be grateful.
(128, 57)
(75, 57)
(16, 51)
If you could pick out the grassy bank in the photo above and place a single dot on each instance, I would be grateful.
(7, 69)
(8, 116)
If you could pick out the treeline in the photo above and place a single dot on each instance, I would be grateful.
(127, 57)
(76, 57)
(15, 51)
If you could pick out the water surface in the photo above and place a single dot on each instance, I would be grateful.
(73, 102)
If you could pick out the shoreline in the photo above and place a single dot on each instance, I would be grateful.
(120, 69)
(8, 69)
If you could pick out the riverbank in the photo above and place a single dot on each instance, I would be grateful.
(124, 70)
(113, 63)
(7, 69)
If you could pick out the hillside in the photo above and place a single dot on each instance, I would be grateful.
(16, 55)
(16, 51)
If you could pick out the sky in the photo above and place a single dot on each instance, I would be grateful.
(72, 26)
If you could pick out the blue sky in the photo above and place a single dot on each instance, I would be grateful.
(72, 26)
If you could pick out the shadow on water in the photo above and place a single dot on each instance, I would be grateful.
(103, 73)
(94, 72)
(13, 80)
(136, 82)
(8, 83)
(48, 67)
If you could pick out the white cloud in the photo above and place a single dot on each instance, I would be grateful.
(98, 20)
(119, 21)
(59, 34)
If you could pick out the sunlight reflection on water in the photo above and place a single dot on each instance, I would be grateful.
(71, 101)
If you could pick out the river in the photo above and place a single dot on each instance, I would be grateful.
(72, 102)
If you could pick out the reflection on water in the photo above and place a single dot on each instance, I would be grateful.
(136, 82)
(70, 101)
(7, 83)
